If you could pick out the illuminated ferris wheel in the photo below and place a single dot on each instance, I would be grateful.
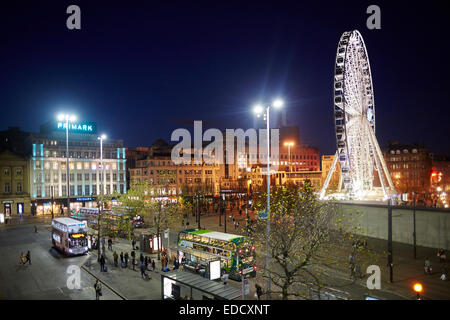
(358, 152)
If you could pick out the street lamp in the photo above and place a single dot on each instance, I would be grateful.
(418, 288)
(258, 109)
(289, 144)
(67, 118)
(101, 138)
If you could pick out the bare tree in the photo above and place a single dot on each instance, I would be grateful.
(304, 234)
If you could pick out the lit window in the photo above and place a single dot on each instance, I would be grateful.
(79, 166)
(93, 166)
(71, 165)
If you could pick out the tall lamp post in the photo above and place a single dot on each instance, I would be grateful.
(258, 110)
(289, 144)
(100, 209)
(67, 118)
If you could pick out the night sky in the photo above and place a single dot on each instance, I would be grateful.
(141, 69)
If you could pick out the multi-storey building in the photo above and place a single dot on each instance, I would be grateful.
(48, 171)
(294, 164)
(440, 181)
(14, 184)
(165, 178)
(133, 155)
(410, 169)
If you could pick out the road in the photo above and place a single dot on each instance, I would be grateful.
(46, 277)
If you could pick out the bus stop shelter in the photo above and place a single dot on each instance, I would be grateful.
(178, 284)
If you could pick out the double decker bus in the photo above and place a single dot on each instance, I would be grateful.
(236, 253)
(69, 236)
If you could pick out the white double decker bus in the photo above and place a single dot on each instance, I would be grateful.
(69, 236)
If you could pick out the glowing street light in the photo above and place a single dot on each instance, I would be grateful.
(278, 103)
(289, 144)
(258, 110)
(418, 289)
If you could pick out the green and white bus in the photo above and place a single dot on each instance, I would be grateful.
(236, 253)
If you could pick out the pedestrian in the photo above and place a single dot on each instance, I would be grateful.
(143, 275)
(133, 261)
(116, 257)
(444, 275)
(22, 259)
(35, 229)
(121, 259)
(351, 259)
(427, 266)
(141, 258)
(441, 255)
(163, 263)
(146, 262)
(225, 277)
(102, 263)
(28, 257)
(133, 243)
(110, 244)
(153, 265)
(126, 259)
(259, 291)
(98, 290)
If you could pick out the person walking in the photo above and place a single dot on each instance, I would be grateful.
(126, 259)
(225, 277)
(110, 244)
(141, 258)
(259, 291)
(153, 265)
(427, 266)
(122, 263)
(35, 229)
(102, 263)
(442, 256)
(28, 257)
(143, 274)
(146, 262)
(116, 257)
(133, 262)
(98, 290)
(22, 259)
(133, 243)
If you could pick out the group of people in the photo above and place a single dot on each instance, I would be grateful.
(24, 258)
(428, 268)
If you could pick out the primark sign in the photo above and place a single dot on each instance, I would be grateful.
(84, 127)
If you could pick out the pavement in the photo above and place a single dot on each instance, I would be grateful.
(47, 277)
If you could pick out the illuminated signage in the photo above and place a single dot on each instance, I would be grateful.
(85, 127)
(84, 199)
(78, 235)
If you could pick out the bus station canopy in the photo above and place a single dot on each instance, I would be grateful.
(216, 289)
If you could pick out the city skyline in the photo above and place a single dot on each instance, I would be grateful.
(193, 73)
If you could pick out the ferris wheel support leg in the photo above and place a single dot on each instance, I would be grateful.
(329, 175)
(340, 183)
(373, 142)
(383, 163)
